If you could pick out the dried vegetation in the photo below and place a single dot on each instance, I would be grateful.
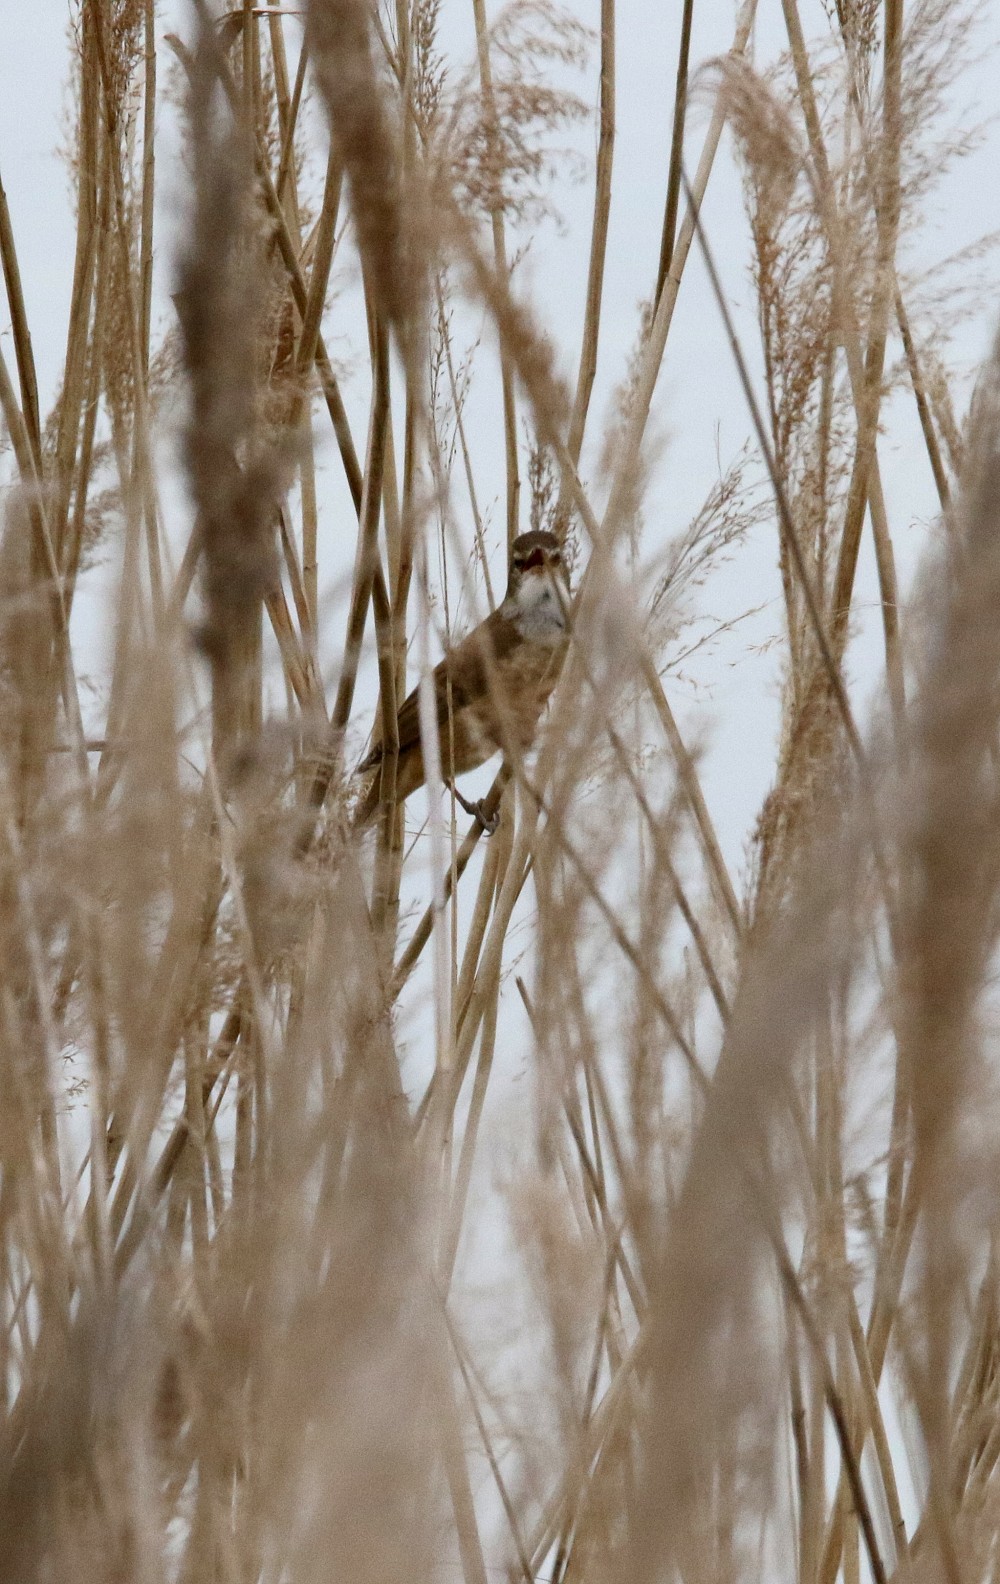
(751, 1323)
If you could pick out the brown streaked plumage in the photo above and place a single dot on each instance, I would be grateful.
(491, 688)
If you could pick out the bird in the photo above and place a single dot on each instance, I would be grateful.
(491, 688)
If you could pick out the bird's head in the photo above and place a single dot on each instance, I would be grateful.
(536, 558)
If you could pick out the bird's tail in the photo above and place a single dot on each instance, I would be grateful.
(409, 776)
(367, 807)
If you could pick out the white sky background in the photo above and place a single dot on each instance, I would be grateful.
(699, 410)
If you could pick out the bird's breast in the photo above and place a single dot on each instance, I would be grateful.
(524, 681)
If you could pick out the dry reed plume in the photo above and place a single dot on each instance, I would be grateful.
(255, 1069)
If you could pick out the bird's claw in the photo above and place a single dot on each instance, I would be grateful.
(488, 823)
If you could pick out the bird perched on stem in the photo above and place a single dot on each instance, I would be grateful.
(490, 689)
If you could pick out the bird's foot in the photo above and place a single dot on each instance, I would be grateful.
(488, 823)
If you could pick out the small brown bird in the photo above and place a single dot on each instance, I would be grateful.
(491, 689)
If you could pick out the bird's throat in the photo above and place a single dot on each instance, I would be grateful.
(537, 611)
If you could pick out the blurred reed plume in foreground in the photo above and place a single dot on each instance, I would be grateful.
(297, 1282)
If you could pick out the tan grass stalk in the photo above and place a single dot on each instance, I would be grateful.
(599, 235)
(866, 489)
(343, 59)
(653, 351)
(917, 380)
(22, 337)
(500, 264)
(803, 573)
(676, 151)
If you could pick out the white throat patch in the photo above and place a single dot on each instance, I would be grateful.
(537, 610)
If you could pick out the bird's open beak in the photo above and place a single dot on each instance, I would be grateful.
(535, 562)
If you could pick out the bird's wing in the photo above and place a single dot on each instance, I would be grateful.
(463, 675)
